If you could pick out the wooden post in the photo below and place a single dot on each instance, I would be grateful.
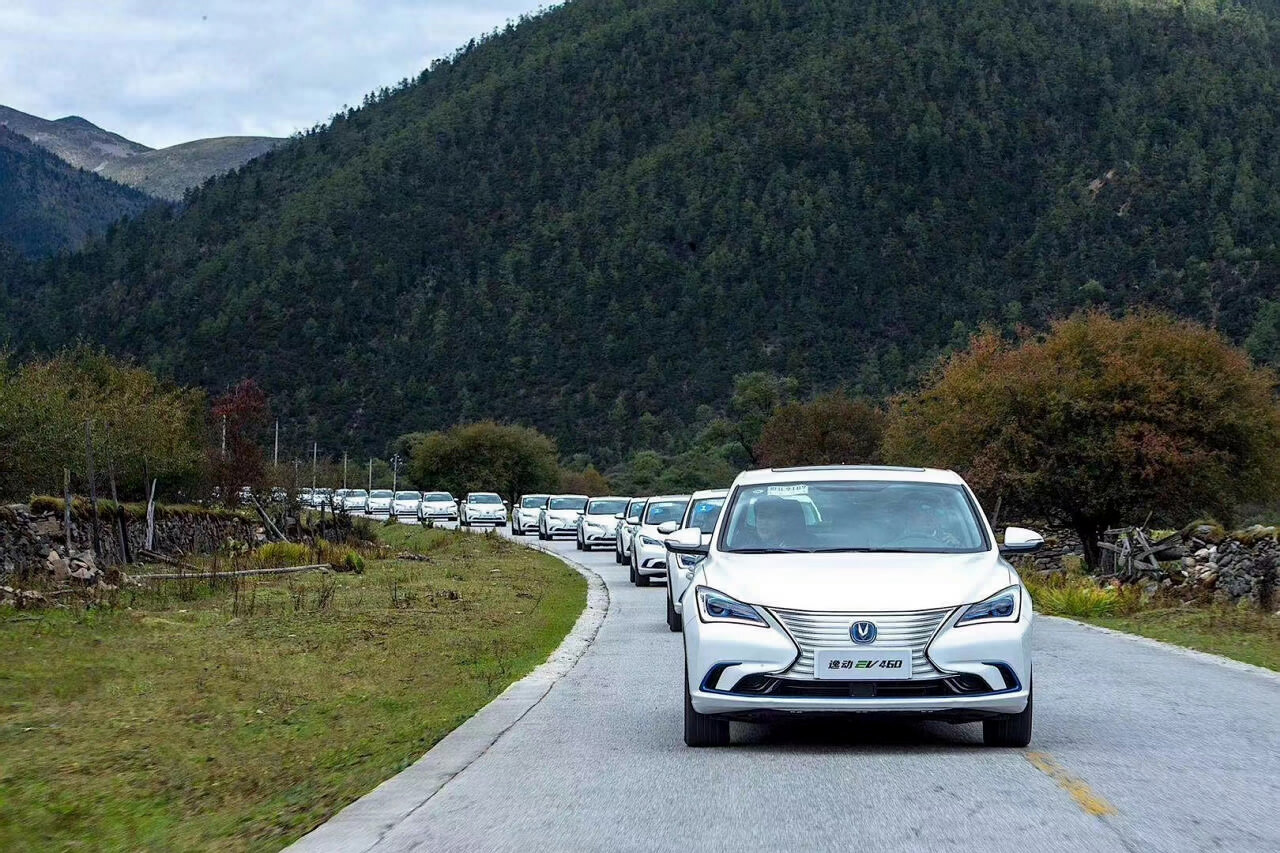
(66, 507)
(122, 527)
(93, 488)
(151, 518)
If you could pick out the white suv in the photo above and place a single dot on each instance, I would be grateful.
(856, 589)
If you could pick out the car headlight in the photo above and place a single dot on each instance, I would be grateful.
(652, 543)
(1004, 606)
(715, 606)
(688, 562)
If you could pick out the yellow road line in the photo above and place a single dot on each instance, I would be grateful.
(1079, 790)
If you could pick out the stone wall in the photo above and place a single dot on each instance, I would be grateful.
(35, 541)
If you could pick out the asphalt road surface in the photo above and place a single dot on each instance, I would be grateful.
(1136, 748)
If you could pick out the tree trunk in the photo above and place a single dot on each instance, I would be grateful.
(1090, 532)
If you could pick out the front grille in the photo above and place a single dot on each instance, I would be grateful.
(813, 631)
(768, 685)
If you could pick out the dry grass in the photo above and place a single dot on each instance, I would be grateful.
(238, 716)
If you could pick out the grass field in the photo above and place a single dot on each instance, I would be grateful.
(239, 717)
(1244, 634)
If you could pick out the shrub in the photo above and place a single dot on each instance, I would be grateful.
(1078, 595)
(278, 555)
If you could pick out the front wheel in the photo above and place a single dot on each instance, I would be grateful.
(1009, 730)
(617, 552)
(673, 618)
(702, 729)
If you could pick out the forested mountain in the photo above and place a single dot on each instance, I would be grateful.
(47, 205)
(164, 172)
(591, 221)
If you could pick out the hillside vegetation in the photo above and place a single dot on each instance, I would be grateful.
(47, 206)
(614, 208)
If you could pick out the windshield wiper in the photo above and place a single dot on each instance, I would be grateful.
(869, 551)
(770, 550)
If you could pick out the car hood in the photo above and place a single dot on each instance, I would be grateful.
(563, 514)
(858, 583)
(601, 519)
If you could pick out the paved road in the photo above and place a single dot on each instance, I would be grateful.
(1136, 748)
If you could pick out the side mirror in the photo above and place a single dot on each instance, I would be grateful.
(1019, 540)
(668, 527)
(687, 541)
(618, 516)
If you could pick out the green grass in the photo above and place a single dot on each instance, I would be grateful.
(239, 717)
(1243, 635)
(1238, 633)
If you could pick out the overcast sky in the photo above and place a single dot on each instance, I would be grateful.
(166, 71)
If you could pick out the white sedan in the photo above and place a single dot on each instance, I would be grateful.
(406, 503)
(599, 524)
(482, 508)
(437, 506)
(648, 553)
(702, 513)
(525, 512)
(560, 517)
(379, 502)
(884, 591)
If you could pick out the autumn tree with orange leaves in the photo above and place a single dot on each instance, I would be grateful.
(1100, 421)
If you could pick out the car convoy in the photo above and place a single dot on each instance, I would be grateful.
(817, 590)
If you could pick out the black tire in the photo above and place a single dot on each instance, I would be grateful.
(673, 618)
(702, 729)
(632, 567)
(617, 552)
(577, 544)
(516, 531)
(1009, 730)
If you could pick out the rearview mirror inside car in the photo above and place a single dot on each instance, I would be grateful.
(1019, 540)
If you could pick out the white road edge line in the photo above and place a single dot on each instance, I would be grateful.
(363, 824)
(1195, 654)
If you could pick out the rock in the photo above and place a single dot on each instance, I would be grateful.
(58, 567)
(1203, 554)
(1209, 578)
(1189, 562)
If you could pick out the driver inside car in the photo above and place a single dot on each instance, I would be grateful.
(779, 524)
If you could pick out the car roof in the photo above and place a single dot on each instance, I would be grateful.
(710, 493)
(610, 498)
(668, 498)
(820, 473)
(575, 497)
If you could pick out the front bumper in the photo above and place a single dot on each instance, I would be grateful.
(729, 663)
(597, 536)
(651, 560)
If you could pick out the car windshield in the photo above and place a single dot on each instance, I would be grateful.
(406, 496)
(484, 499)
(533, 502)
(357, 493)
(634, 509)
(830, 516)
(704, 512)
(605, 507)
(662, 511)
(439, 497)
(380, 493)
(578, 504)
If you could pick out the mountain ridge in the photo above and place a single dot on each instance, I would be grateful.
(592, 220)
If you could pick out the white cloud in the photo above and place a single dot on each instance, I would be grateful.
(167, 72)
